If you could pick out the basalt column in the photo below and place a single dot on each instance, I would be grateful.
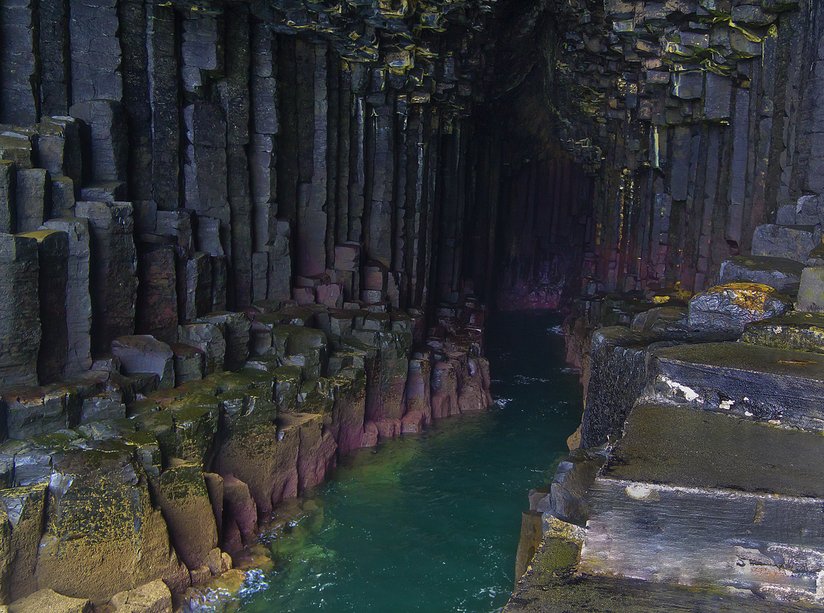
(232, 250)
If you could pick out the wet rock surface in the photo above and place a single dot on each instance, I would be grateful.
(312, 196)
(729, 308)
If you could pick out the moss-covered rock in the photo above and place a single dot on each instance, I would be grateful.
(261, 456)
(730, 307)
(154, 597)
(797, 331)
(349, 408)
(103, 534)
(51, 601)
(317, 396)
(25, 509)
(187, 508)
(287, 387)
(185, 423)
(317, 450)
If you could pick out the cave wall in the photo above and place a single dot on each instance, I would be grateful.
(246, 152)
(694, 119)
(231, 251)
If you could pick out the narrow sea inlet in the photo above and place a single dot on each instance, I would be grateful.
(431, 522)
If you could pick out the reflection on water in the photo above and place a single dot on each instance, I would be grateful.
(430, 522)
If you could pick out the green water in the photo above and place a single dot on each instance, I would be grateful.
(431, 522)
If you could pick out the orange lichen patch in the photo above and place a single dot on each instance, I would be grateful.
(39, 235)
(750, 296)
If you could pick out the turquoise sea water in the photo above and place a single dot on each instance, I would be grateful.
(431, 522)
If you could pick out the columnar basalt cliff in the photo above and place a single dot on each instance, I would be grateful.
(650, 139)
(230, 253)
(692, 483)
(241, 238)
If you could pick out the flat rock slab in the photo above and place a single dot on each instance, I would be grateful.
(684, 447)
(791, 242)
(781, 274)
(49, 600)
(705, 537)
(795, 331)
(552, 586)
(758, 383)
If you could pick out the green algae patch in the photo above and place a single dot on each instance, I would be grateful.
(663, 445)
(793, 331)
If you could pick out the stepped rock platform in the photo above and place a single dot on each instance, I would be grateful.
(753, 382)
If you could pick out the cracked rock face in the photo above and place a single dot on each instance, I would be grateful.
(240, 239)
(730, 307)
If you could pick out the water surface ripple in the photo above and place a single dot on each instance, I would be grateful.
(431, 522)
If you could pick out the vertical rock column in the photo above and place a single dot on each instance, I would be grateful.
(18, 63)
(78, 298)
(108, 143)
(95, 51)
(54, 60)
(113, 271)
(19, 310)
(30, 198)
(236, 103)
(53, 248)
(157, 305)
(204, 174)
(263, 156)
(133, 42)
(165, 123)
(8, 211)
(311, 215)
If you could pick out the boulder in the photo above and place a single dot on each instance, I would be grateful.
(782, 274)
(811, 290)
(153, 597)
(789, 242)
(729, 308)
(145, 354)
(51, 601)
(184, 499)
(103, 535)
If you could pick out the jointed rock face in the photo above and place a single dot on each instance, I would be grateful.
(219, 273)
(241, 238)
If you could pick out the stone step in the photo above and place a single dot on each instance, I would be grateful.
(779, 273)
(551, 592)
(791, 242)
(811, 290)
(552, 583)
(679, 446)
(680, 503)
(796, 331)
(751, 382)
